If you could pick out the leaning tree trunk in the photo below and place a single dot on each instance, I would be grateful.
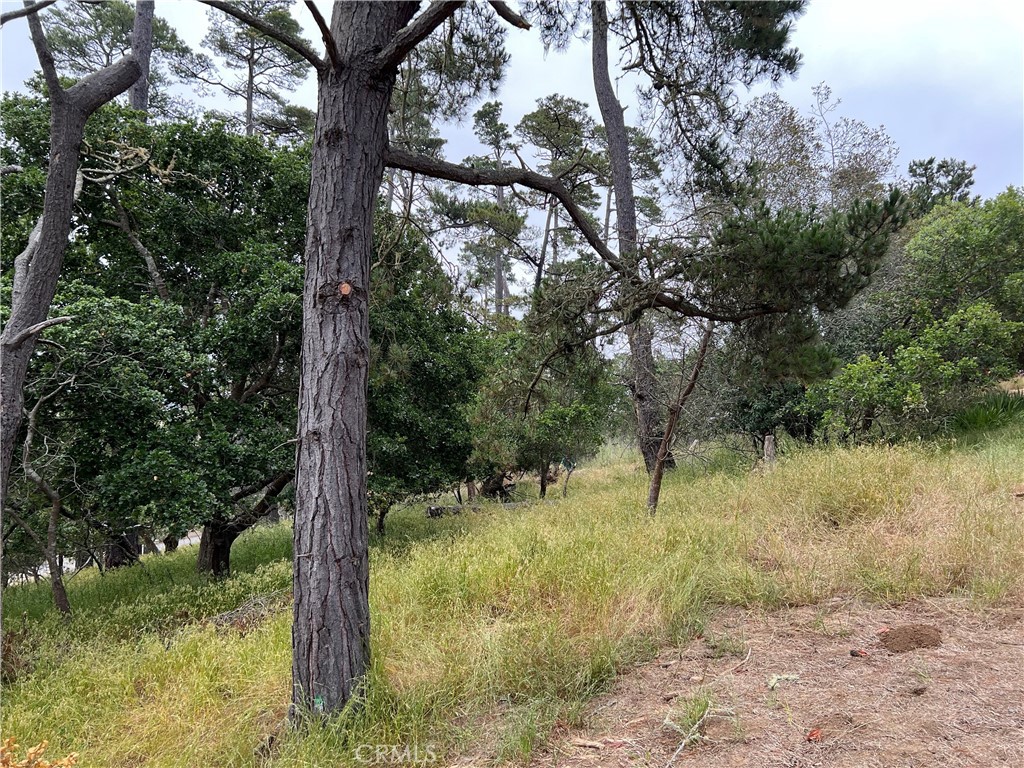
(654, 489)
(644, 382)
(37, 267)
(331, 629)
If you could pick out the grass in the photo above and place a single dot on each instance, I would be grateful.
(490, 629)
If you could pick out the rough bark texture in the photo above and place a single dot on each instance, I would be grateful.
(644, 385)
(331, 627)
(142, 49)
(36, 269)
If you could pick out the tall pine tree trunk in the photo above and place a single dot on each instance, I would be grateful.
(644, 386)
(331, 629)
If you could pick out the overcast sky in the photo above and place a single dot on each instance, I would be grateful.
(945, 78)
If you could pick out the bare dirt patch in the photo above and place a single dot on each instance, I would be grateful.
(817, 686)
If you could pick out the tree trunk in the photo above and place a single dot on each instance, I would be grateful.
(250, 96)
(220, 533)
(215, 548)
(170, 544)
(60, 593)
(331, 627)
(142, 48)
(660, 464)
(544, 468)
(123, 550)
(37, 268)
(645, 384)
(643, 387)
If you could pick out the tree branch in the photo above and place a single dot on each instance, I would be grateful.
(509, 15)
(414, 33)
(9, 169)
(297, 45)
(325, 31)
(46, 62)
(480, 177)
(32, 330)
(28, 9)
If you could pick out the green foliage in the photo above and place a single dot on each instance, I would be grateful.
(530, 413)
(931, 183)
(425, 364)
(965, 252)
(994, 411)
(926, 379)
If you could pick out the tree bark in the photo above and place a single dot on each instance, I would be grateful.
(123, 550)
(37, 268)
(331, 627)
(645, 384)
(643, 387)
(142, 49)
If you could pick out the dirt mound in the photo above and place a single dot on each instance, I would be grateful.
(911, 637)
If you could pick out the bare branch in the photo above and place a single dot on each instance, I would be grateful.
(297, 45)
(509, 15)
(28, 9)
(325, 31)
(480, 177)
(104, 85)
(9, 169)
(32, 330)
(414, 33)
(46, 62)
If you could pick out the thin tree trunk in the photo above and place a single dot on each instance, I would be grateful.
(331, 627)
(608, 214)
(643, 388)
(654, 490)
(641, 345)
(539, 276)
(250, 122)
(37, 268)
(544, 478)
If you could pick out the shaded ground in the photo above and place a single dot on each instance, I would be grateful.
(784, 689)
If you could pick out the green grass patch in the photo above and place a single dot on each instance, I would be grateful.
(492, 627)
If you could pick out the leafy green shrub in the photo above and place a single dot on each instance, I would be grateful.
(924, 382)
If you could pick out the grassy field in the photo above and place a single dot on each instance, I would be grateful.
(490, 628)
